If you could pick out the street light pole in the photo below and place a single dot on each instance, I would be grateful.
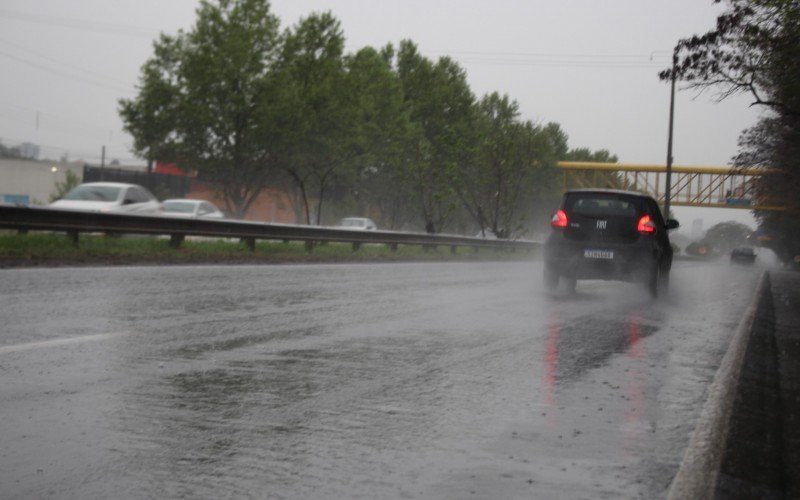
(667, 192)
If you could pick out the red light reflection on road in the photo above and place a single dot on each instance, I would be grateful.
(634, 382)
(551, 357)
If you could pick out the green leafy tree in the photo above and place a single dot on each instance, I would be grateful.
(70, 182)
(501, 175)
(151, 117)
(611, 180)
(380, 137)
(206, 99)
(317, 113)
(440, 106)
(725, 236)
(755, 49)
(586, 154)
(9, 152)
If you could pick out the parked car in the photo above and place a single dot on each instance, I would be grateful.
(191, 209)
(608, 235)
(109, 197)
(743, 255)
(357, 223)
(487, 234)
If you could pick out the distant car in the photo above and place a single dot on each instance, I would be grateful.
(191, 209)
(109, 197)
(608, 235)
(487, 234)
(357, 223)
(743, 255)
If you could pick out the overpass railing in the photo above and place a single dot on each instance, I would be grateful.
(714, 187)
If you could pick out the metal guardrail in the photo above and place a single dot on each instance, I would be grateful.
(74, 222)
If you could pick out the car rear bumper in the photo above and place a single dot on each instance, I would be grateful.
(590, 260)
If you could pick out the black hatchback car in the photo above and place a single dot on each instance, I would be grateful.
(608, 235)
(744, 255)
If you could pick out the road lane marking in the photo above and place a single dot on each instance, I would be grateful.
(57, 342)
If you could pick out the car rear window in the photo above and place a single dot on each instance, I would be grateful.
(353, 223)
(595, 205)
(184, 207)
(88, 192)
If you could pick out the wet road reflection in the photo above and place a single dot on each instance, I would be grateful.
(401, 381)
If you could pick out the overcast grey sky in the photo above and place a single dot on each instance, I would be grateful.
(589, 65)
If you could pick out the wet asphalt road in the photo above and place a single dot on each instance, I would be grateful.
(446, 381)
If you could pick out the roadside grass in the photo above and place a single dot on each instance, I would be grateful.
(57, 249)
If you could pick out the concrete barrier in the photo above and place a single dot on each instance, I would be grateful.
(700, 468)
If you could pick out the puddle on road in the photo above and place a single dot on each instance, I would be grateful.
(572, 350)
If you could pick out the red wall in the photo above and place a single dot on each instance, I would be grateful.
(270, 206)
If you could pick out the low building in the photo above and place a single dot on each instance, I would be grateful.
(32, 182)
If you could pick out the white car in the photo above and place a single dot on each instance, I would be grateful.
(191, 209)
(114, 197)
(357, 223)
(487, 234)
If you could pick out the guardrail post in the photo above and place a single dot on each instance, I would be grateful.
(73, 237)
(356, 245)
(175, 240)
(251, 243)
(309, 246)
(393, 247)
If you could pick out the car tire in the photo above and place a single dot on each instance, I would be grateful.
(550, 279)
(664, 281)
(654, 280)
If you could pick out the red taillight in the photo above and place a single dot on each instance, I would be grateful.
(646, 225)
(559, 219)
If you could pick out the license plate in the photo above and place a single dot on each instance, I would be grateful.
(598, 254)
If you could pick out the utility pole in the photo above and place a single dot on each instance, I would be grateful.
(667, 192)
(103, 163)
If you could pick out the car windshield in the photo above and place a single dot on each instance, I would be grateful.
(184, 207)
(594, 205)
(93, 193)
(352, 223)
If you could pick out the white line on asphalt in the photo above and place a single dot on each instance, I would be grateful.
(57, 342)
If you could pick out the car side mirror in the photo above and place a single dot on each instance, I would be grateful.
(672, 224)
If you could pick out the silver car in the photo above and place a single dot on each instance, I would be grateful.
(191, 209)
(113, 197)
(357, 223)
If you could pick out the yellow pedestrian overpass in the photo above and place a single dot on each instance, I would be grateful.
(711, 187)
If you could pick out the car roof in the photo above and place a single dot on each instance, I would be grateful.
(111, 184)
(609, 191)
(185, 200)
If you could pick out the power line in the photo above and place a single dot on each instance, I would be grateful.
(654, 59)
(58, 117)
(558, 55)
(81, 24)
(65, 75)
(563, 64)
(56, 61)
